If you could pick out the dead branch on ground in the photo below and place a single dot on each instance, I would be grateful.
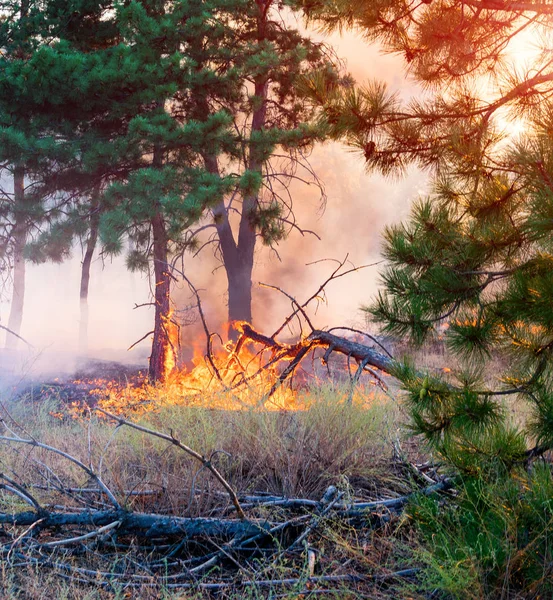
(369, 359)
(67, 523)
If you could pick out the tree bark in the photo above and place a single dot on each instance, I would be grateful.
(162, 359)
(239, 271)
(85, 271)
(141, 524)
(238, 256)
(19, 236)
(164, 352)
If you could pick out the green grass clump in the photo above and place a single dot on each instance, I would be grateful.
(494, 541)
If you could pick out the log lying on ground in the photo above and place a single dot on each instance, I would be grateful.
(141, 524)
(151, 525)
(366, 357)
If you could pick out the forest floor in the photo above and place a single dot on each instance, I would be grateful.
(358, 447)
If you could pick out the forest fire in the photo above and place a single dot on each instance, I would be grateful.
(253, 373)
(232, 377)
(256, 370)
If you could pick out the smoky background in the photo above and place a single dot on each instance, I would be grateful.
(349, 223)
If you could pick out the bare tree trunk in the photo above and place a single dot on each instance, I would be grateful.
(162, 359)
(164, 351)
(238, 257)
(85, 272)
(19, 240)
(19, 235)
(239, 272)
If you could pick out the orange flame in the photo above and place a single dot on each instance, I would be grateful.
(173, 346)
(229, 378)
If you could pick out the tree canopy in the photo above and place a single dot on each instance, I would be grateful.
(138, 120)
(473, 263)
(476, 253)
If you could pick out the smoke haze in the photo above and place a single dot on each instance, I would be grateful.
(358, 207)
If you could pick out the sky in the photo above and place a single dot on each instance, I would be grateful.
(358, 207)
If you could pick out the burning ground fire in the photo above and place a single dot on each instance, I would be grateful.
(255, 372)
(233, 377)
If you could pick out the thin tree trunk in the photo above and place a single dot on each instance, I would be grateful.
(19, 240)
(165, 342)
(162, 359)
(85, 272)
(19, 235)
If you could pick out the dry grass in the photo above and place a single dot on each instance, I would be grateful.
(292, 453)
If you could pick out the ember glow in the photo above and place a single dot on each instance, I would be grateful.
(232, 377)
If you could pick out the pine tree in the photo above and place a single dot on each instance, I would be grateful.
(196, 99)
(276, 128)
(28, 138)
(475, 256)
(116, 116)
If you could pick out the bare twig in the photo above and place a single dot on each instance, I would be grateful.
(16, 335)
(82, 538)
(173, 440)
(88, 470)
(140, 340)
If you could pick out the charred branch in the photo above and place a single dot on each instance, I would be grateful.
(140, 524)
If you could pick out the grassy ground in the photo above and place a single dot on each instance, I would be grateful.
(297, 454)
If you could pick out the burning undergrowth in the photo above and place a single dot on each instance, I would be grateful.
(259, 371)
(268, 465)
(231, 379)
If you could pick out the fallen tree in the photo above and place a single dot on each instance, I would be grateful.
(365, 356)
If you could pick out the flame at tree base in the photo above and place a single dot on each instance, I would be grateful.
(232, 378)
(241, 376)
(172, 345)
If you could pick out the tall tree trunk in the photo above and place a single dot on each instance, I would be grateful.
(163, 357)
(85, 271)
(238, 257)
(165, 342)
(19, 236)
(239, 272)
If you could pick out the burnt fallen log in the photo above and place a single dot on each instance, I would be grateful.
(155, 526)
(366, 357)
(142, 525)
(321, 339)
